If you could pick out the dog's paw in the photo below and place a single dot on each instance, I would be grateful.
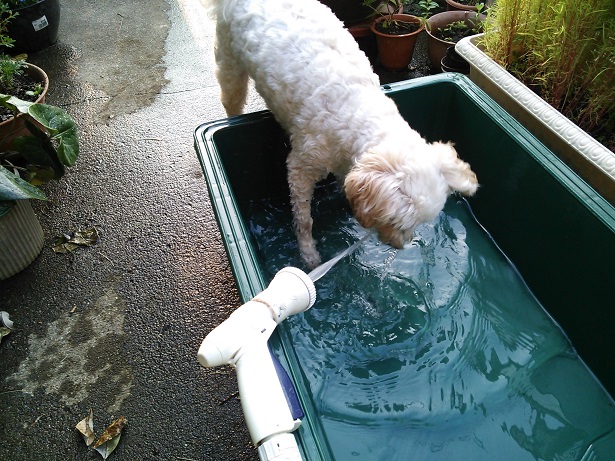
(311, 258)
(308, 251)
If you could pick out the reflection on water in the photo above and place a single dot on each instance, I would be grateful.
(438, 350)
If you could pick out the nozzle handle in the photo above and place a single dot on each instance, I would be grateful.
(263, 401)
(248, 324)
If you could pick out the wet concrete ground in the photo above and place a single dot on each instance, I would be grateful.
(116, 327)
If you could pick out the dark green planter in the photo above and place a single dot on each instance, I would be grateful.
(556, 230)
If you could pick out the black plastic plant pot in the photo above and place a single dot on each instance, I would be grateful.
(452, 62)
(35, 27)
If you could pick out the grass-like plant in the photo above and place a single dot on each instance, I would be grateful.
(564, 50)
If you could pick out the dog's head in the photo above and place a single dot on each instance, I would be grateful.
(393, 190)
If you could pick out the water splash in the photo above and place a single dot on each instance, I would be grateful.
(321, 270)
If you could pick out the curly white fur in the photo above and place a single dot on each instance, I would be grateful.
(321, 88)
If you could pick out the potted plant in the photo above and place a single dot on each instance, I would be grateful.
(446, 28)
(357, 17)
(25, 81)
(17, 78)
(552, 66)
(34, 159)
(396, 34)
(34, 25)
(424, 8)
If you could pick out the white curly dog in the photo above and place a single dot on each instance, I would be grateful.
(322, 90)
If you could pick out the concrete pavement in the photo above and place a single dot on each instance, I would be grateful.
(116, 327)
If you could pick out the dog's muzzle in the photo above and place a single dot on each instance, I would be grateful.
(391, 236)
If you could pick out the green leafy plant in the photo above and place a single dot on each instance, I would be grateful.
(9, 69)
(565, 51)
(38, 158)
(457, 30)
(6, 15)
(426, 7)
(385, 8)
(36, 91)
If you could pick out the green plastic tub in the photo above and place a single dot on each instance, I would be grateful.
(360, 369)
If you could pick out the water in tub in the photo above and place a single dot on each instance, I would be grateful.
(435, 352)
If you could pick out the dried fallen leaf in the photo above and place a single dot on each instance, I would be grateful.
(109, 439)
(70, 242)
(86, 427)
(3, 332)
(6, 326)
(107, 448)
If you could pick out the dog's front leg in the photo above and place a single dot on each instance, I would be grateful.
(301, 192)
(303, 230)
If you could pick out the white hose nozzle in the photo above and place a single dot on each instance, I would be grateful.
(290, 292)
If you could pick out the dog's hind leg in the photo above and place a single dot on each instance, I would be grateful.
(231, 74)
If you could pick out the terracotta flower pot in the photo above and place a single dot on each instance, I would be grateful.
(21, 239)
(452, 5)
(395, 51)
(14, 127)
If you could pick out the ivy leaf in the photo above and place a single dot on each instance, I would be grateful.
(12, 187)
(14, 103)
(62, 129)
(68, 146)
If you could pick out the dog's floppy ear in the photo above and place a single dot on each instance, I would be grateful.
(369, 187)
(456, 172)
(359, 190)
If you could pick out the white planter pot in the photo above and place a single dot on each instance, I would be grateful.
(591, 160)
(21, 239)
